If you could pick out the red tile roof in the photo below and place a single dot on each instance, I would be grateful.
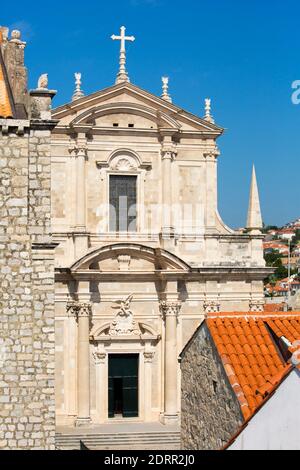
(249, 355)
(272, 308)
(5, 105)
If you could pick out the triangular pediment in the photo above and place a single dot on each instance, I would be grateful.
(124, 99)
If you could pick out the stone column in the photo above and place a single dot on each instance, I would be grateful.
(170, 310)
(148, 358)
(100, 357)
(83, 313)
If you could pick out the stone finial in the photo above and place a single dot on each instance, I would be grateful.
(43, 82)
(15, 35)
(122, 75)
(165, 86)
(208, 117)
(254, 220)
(78, 93)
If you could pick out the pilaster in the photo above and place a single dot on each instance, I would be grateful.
(82, 311)
(80, 152)
(168, 155)
(170, 309)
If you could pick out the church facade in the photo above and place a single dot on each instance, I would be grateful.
(142, 252)
(135, 248)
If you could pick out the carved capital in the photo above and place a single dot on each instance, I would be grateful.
(99, 357)
(212, 154)
(148, 356)
(169, 308)
(168, 155)
(79, 309)
(256, 305)
(78, 150)
(168, 152)
(211, 306)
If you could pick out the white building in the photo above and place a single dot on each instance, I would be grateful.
(275, 426)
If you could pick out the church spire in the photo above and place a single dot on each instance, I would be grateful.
(254, 220)
(122, 75)
(78, 93)
(165, 87)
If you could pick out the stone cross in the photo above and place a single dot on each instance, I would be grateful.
(122, 75)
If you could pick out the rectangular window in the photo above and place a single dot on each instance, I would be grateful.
(122, 200)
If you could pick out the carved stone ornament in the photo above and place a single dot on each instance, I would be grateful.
(124, 262)
(79, 309)
(148, 356)
(43, 82)
(211, 306)
(168, 152)
(99, 357)
(78, 149)
(123, 323)
(123, 164)
(256, 305)
(169, 308)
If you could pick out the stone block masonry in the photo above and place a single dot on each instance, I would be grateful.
(210, 411)
(27, 405)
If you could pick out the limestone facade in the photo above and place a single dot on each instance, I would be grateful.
(138, 293)
(179, 262)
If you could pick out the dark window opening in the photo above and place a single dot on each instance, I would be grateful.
(122, 201)
(115, 124)
(280, 345)
(215, 385)
(130, 125)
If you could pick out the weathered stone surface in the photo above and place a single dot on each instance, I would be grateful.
(210, 412)
(25, 399)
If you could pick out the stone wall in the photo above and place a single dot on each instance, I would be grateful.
(27, 407)
(210, 412)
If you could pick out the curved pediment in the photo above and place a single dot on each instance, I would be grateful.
(129, 257)
(103, 331)
(120, 112)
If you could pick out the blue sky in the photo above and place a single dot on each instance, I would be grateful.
(244, 55)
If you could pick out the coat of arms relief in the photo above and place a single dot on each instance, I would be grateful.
(124, 323)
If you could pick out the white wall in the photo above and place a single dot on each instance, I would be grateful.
(276, 426)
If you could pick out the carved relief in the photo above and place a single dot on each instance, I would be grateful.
(256, 305)
(99, 357)
(148, 356)
(123, 323)
(124, 262)
(79, 309)
(123, 163)
(169, 308)
(211, 306)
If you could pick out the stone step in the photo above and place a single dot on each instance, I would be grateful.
(118, 441)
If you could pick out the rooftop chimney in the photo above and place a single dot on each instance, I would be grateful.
(13, 55)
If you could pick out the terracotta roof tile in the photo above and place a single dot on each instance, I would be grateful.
(249, 354)
(5, 105)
